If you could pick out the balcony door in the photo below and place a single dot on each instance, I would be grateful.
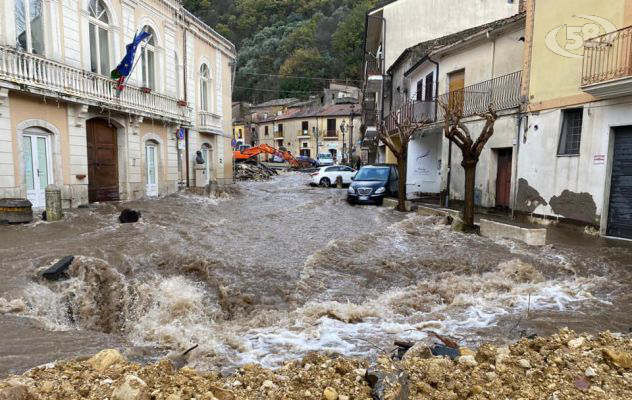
(457, 96)
(37, 166)
(103, 183)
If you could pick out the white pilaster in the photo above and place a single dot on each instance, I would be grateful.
(7, 173)
(72, 36)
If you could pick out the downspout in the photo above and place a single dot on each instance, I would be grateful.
(186, 98)
(436, 117)
(514, 180)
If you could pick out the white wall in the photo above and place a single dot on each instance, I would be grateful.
(550, 175)
(409, 22)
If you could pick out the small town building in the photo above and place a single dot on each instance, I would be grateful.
(64, 122)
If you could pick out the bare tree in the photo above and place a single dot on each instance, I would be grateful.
(405, 127)
(458, 133)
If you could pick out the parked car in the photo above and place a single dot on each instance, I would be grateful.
(372, 183)
(307, 162)
(326, 176)
(325, 159)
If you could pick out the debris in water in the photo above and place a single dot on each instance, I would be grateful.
(58, 270)
(129, 216)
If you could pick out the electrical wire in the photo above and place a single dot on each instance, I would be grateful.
(276, 91)
(299, 77)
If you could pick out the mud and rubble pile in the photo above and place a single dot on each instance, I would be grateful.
(563, 366)
(253, 170)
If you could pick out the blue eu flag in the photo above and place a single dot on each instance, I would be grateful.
(126, 65)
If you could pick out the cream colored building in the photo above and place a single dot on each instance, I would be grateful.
(298, 129)
(63, 122)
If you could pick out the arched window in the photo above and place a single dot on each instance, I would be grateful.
(205, 88)
(99, 38)
(29, 25)
(148, 59)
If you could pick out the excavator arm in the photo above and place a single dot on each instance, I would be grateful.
(264, 148)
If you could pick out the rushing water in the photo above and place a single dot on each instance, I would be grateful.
(277, 269)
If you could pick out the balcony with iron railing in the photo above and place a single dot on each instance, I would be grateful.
(331, 135)
(278, 135)
(607, 64)
(40, 75)
(303, 134)
(500, 93)
(373, 73)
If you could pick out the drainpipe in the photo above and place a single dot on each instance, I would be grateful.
(186, 98)
(436, 116)
(522, 118)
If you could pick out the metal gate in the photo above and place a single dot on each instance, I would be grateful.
(620, 210)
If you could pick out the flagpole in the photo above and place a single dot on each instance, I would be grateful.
(122, 84)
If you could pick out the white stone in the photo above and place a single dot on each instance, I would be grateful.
(523, 363)
(576, 343)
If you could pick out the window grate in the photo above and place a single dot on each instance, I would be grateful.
(570, 137)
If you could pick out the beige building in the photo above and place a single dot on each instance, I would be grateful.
(310, 131)
(63, 121)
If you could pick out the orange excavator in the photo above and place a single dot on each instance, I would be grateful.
(247, 154)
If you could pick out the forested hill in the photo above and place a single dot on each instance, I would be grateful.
(298, 38)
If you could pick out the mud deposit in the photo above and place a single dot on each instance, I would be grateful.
(278, 269)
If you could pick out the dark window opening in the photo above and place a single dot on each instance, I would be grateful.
(429, 87)
(331, 127)
(571, 135)
(266, 131)
(305, 127)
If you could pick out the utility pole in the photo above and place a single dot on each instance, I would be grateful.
(344, 142)
(315, 132)
(351, 134)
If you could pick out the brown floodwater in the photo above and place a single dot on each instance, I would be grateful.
(276, 269)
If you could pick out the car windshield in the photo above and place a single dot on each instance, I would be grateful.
(372, 174)
(325, 156)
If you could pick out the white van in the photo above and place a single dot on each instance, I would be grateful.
(325, 159)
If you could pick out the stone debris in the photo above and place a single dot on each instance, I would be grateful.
(253, 171)
(534, 369)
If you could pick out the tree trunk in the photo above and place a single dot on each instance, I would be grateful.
(470, 180)
(401, 189)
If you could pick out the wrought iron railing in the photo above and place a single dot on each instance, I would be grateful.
(374, 65)
(607, 57)
(37, 72)
(500, 93)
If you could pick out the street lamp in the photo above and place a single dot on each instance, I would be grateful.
(315, 132)
(344, 143)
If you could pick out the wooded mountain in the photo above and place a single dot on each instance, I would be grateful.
(304, 38)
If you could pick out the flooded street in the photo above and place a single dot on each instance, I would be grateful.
(277, 269)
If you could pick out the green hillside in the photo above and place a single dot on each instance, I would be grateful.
(319, 39)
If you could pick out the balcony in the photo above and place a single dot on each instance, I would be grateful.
(331, 135)
(210, 123)
(500, 93)
(607, 64)
(303, 134)
(278, 135)
(50, 78)
(374, 75)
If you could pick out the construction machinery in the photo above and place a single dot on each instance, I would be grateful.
(247, 154)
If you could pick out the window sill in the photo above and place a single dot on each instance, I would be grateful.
(567, 155)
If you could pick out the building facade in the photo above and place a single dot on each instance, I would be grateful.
(472, 71)
(575, 159)
(307, 132)
(64, 122)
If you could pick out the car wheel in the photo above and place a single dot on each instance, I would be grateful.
(325, 182)
(351, 201)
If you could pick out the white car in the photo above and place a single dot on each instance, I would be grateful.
(326, 176)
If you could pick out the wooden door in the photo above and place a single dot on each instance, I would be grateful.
(457, 95)
(103, 184)
(503, 178)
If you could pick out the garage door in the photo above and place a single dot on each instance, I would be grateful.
(620, 212)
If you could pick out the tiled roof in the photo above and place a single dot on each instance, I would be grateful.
(276, 103)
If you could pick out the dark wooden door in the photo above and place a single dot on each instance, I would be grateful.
(620, 210)
(503, 178)
(456, 97)
(103, 184)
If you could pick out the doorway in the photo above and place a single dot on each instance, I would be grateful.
(37, 166)
(207, 155)
(103, 182)
(151, 154)
(456, 98)
(503, 178)
(620, 209)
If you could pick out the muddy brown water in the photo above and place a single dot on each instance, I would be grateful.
(277, 269)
